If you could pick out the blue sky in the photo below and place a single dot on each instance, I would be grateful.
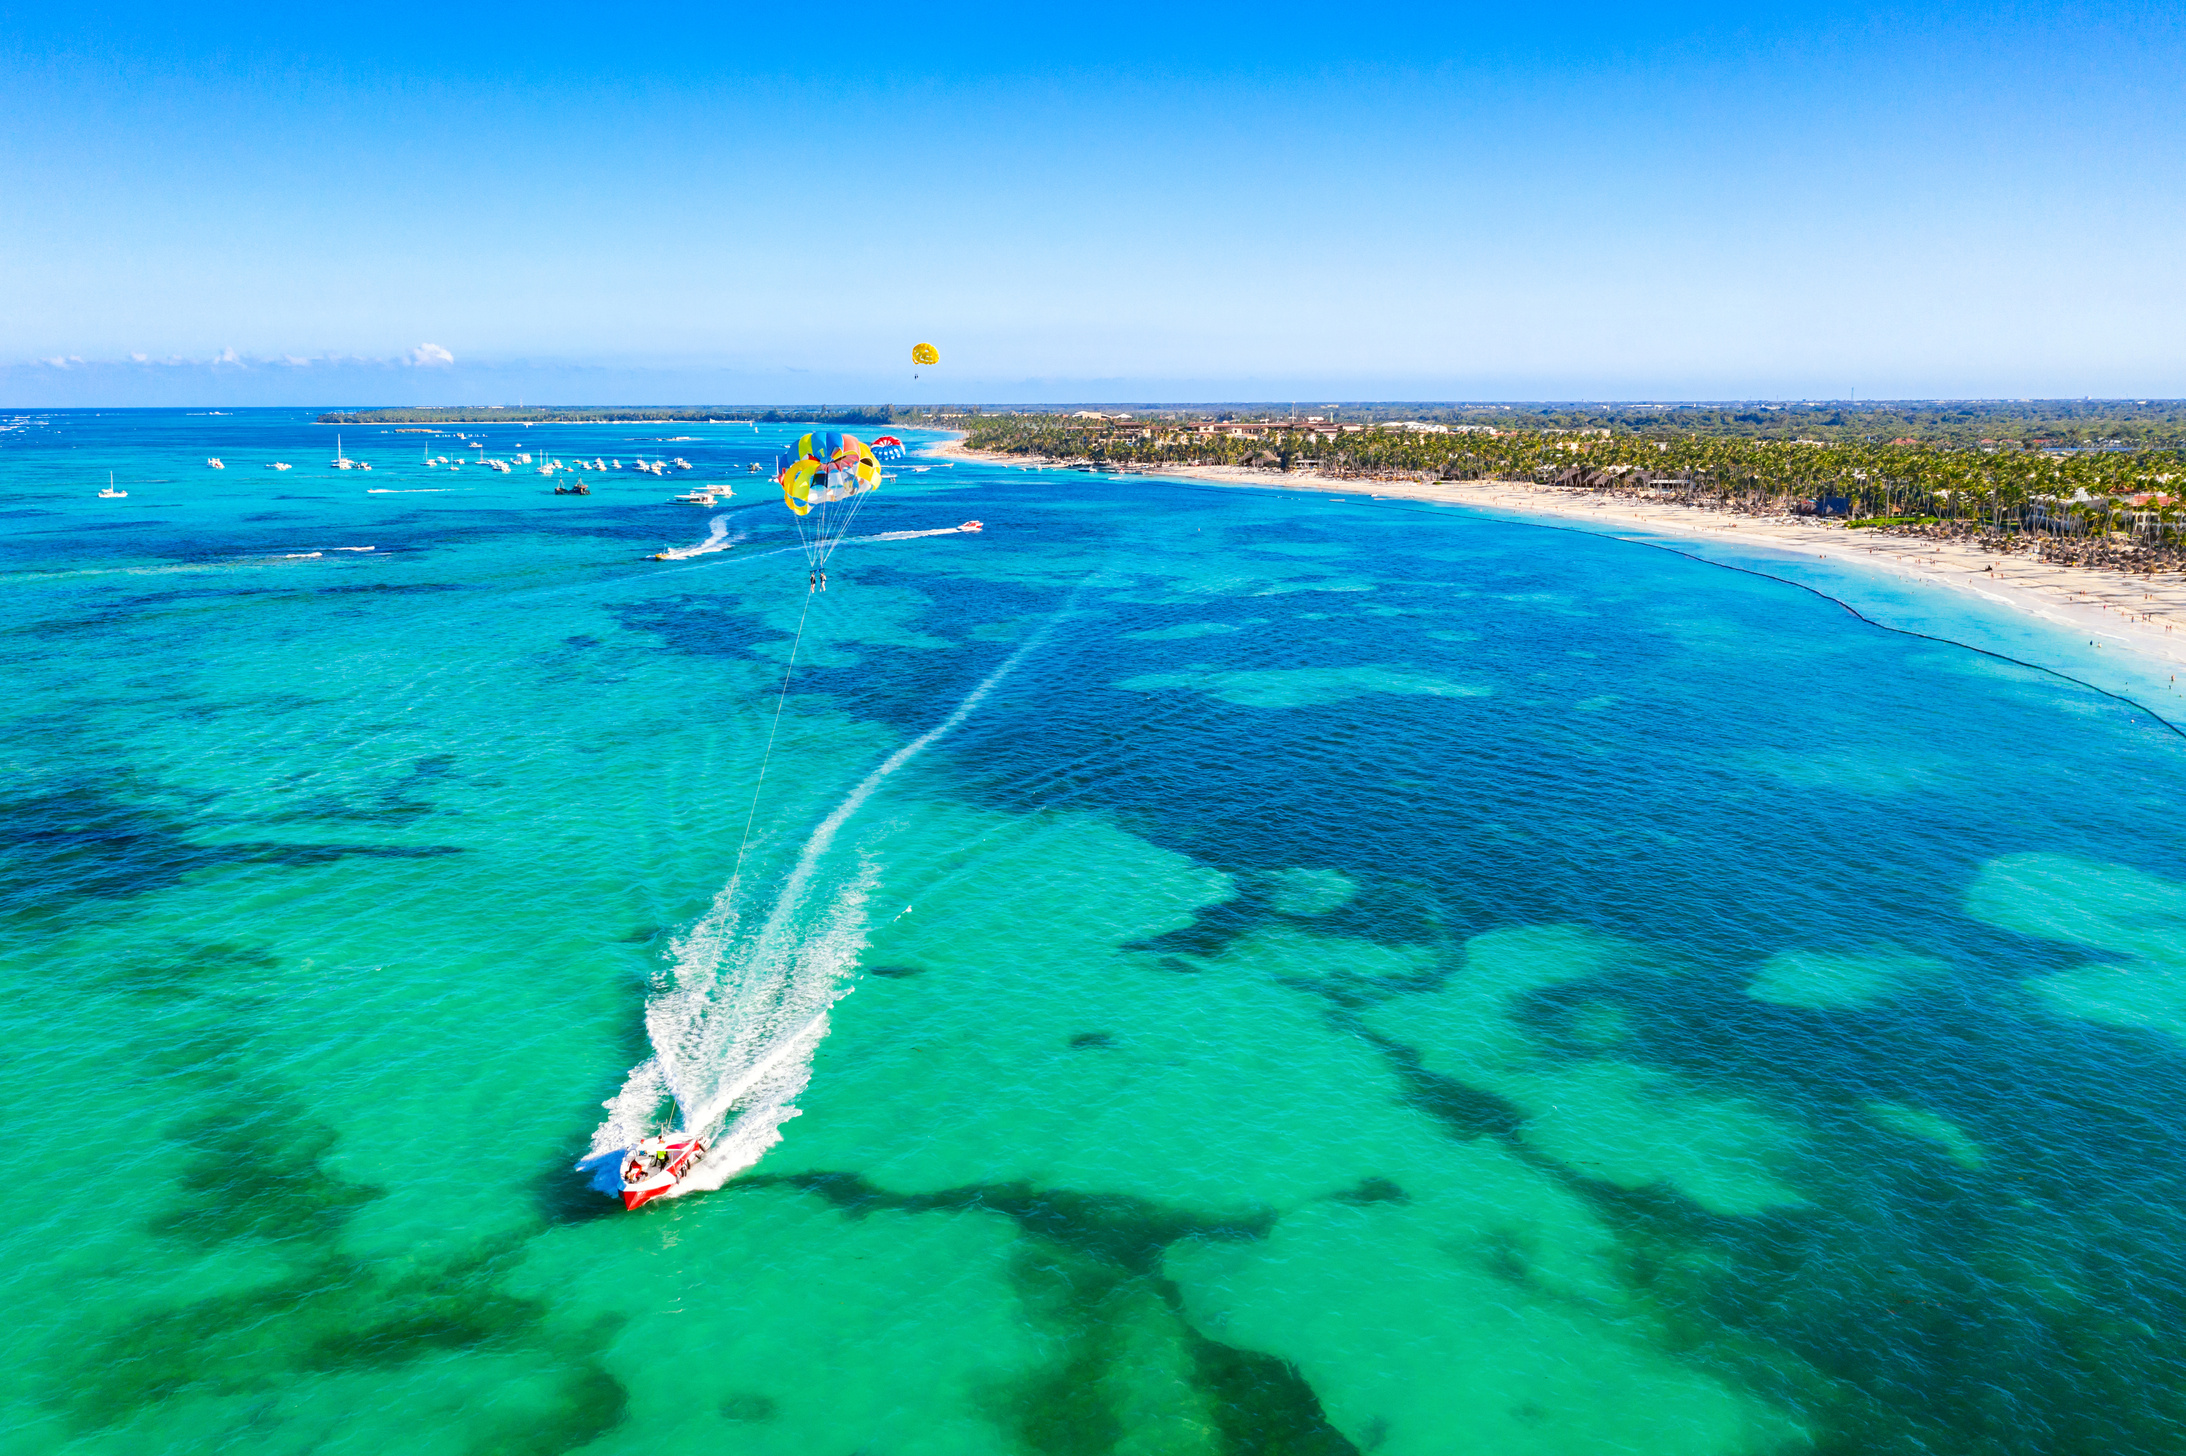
(402, 204)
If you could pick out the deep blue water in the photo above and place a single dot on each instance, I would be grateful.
(1241, 971)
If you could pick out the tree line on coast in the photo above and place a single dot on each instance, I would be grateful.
(2036, 423)
(1994, 487)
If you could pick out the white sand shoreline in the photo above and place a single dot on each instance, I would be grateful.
(2111, 610)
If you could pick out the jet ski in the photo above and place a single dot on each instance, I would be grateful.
(657, 1165)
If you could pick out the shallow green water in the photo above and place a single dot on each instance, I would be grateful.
(1240, 973)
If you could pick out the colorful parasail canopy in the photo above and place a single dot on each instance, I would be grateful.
(925, 354)
(826, 467)
(825, 481)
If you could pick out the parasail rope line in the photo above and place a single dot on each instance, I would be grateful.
(857, 504)
(766, 757)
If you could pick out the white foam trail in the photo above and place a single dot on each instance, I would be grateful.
(912, 535)
(718, 540)
(356, 548)
(387, 490)
(736, 1025)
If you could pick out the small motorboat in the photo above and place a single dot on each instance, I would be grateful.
(699, 497)
(658, 1164)
(580, 488)
(214, 462)
(972, 526)
(278, 465)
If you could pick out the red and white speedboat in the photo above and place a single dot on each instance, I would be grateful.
(657, 1165)
(971, 526)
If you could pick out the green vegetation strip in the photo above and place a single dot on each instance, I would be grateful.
(2096, 489)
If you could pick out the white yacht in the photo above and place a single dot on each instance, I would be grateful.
(699, 497)
(214, 462)
(110, 493)
(279, 465)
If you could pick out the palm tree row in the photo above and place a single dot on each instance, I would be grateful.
(2013, 490)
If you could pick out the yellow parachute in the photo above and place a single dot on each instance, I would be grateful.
(925, 354)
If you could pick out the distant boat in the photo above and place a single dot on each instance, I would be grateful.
(343, 462)
(279, 465)
(699, 497)
(110, 493)
(214, 462)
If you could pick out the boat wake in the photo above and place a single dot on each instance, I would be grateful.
(718, 540)
(737, 1017)
(914, 535)
(415, 490)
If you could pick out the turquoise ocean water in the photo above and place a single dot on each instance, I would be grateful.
(1214, 971)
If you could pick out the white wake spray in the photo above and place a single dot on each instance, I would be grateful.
(909, 535)
(735, 1027)
(717, 539)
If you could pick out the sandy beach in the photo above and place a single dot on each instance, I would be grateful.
(2111, 609)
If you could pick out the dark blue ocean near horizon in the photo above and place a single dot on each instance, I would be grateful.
(1211, 970)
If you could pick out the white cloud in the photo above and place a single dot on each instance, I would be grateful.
(431, 355)
(229, 356)
(141, 358)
